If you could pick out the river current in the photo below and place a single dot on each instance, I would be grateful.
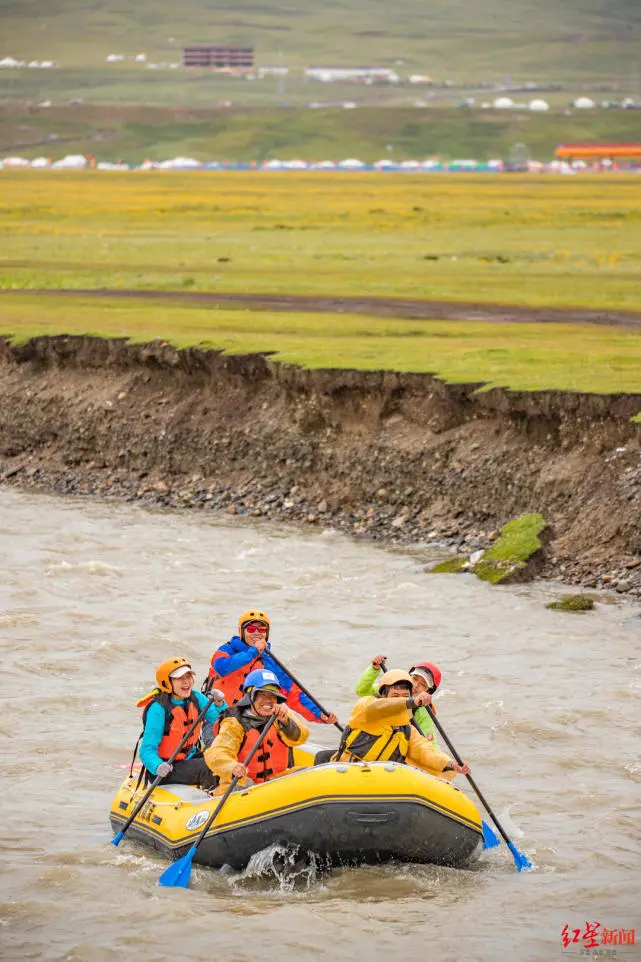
(544, 705)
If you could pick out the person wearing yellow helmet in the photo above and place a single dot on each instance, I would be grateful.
(249, 651)
(380, 729)
(426, 676)
(168, 713)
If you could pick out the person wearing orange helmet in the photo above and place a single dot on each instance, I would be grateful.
(248, 651)
(380, 729)
(426, 677)
(168, 713)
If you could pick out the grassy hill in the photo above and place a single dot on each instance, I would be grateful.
(462, 39)
(133, 133)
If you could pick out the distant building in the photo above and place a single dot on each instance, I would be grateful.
(599, 151)
(214, 56)
(363, 74)
(273, 71)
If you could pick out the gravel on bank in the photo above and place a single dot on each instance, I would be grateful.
(396, 458)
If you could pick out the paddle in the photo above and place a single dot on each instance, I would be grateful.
(302, 687)
(119, 837)
(489, 838)
(178, 873)
(520, 859)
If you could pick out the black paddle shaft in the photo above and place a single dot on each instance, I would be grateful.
(302, 688)
(170, 761)
(458, 759)
(234, 782)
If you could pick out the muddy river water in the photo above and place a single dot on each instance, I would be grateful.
(544, 705)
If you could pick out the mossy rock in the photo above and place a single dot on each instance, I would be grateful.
(515, 555)
(452, 565)
(572, 603)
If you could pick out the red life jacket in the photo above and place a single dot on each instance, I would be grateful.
(273, 756)
(177, 722)
(230, 685)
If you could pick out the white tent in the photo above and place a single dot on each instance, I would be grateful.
(41, 162)
(351, 164)
(503, 103)
(70, 162)
(583, 103)
(115, 57)
(325, 165)
(106, 165)
(273, 165)
(539, 105)
(296, 164)
(15, 162)
(179, 163)
(9, 62)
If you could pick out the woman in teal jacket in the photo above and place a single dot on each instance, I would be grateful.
(425, 677)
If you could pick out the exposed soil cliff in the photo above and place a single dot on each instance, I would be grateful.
(395, 457)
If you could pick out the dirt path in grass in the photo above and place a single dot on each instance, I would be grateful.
(377, 306)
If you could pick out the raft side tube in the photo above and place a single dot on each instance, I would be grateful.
(346, 813)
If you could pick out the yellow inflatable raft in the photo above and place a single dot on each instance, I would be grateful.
(347, 813)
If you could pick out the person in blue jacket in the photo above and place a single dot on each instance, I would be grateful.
(168, 713)
(248, 651)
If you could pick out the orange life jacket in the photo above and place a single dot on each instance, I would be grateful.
(273, 756)
(230, 685)
(177, 722)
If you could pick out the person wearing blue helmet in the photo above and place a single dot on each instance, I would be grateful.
(241, 727)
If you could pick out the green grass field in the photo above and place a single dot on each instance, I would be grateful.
(527, 357)
(533, 241)
(523, 240)
(133, 133)
(531, 39)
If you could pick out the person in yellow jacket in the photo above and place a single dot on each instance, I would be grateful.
(241, 727)
(380, 729)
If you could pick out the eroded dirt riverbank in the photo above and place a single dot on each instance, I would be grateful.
(398, 458)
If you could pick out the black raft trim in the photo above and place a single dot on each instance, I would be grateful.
(284, 809)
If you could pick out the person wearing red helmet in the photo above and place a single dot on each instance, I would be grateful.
(426, 677)
(380, 729)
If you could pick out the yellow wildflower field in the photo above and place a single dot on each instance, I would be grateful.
(526, 240)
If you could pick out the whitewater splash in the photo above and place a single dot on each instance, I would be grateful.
(285, 865)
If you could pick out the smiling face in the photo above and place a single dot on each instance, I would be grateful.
(182, 687)
(264, 703)
(253, 632)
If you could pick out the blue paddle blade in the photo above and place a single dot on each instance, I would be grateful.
(521, 860)
(490, 838)
(178, 873)
(117, 839)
